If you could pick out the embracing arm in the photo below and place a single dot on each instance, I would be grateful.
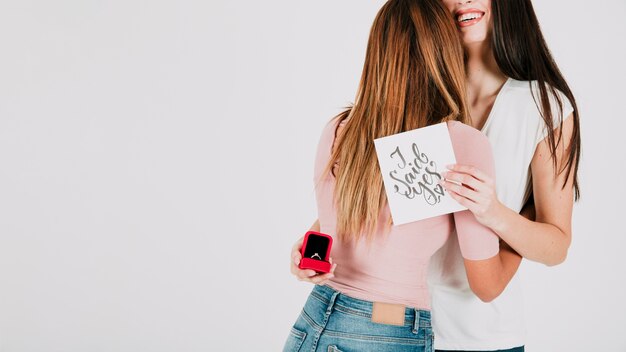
(488, 265)
(488, 278)
(547, 239)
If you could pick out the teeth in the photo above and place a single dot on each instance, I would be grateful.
(468, 16)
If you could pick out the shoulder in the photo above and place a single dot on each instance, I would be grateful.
(332, 129)
(532, 112)
(328, 131)
(326, 143)
(529, 92)
(327, 139)
(333, 126)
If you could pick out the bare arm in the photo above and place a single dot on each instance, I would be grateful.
(489, 264)
(316, 226)
(488, 278)
(547, 239)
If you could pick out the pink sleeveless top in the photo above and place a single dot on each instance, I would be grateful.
(394, 268)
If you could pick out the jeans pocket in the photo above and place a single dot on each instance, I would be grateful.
(333, 348)
(294, 340)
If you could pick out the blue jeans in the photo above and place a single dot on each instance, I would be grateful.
(334, 322)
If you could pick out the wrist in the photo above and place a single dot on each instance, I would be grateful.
(499, 220)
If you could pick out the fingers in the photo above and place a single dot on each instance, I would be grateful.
(305, 274)
(462, 200)
(471, 170)
(333, 266)
(310, 275)
(465, 179)
(322, 279)
(298, 245)
(461, 191)
(296, 256)
(295, 261)
(295, 270)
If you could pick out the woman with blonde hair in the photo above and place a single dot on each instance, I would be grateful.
(377, 299)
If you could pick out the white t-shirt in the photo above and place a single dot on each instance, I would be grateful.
(461, 321)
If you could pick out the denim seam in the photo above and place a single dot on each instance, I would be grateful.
(297, 333)
(352, 311)
(310, 321)
(329, 309)
(319, 297)
(398, 340)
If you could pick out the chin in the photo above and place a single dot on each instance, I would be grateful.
(475, 33)
(474, 36)
(474, 39)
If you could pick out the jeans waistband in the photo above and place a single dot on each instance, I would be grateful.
(414, 316)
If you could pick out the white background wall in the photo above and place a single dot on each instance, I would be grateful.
(156, 163)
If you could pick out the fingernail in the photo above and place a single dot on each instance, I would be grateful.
(451, 166)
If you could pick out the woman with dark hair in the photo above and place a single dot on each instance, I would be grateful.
(519, 99)
(379, 299)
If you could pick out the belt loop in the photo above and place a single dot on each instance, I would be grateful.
(416, 321)
(329, 309)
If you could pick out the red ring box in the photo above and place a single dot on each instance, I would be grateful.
(316, 251)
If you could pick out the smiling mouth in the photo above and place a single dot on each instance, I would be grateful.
(469, 18)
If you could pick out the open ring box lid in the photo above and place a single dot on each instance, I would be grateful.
(316, 251)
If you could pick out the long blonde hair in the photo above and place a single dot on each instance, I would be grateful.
(413, 77)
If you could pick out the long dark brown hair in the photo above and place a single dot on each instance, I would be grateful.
(521, 53)
(413, 77)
